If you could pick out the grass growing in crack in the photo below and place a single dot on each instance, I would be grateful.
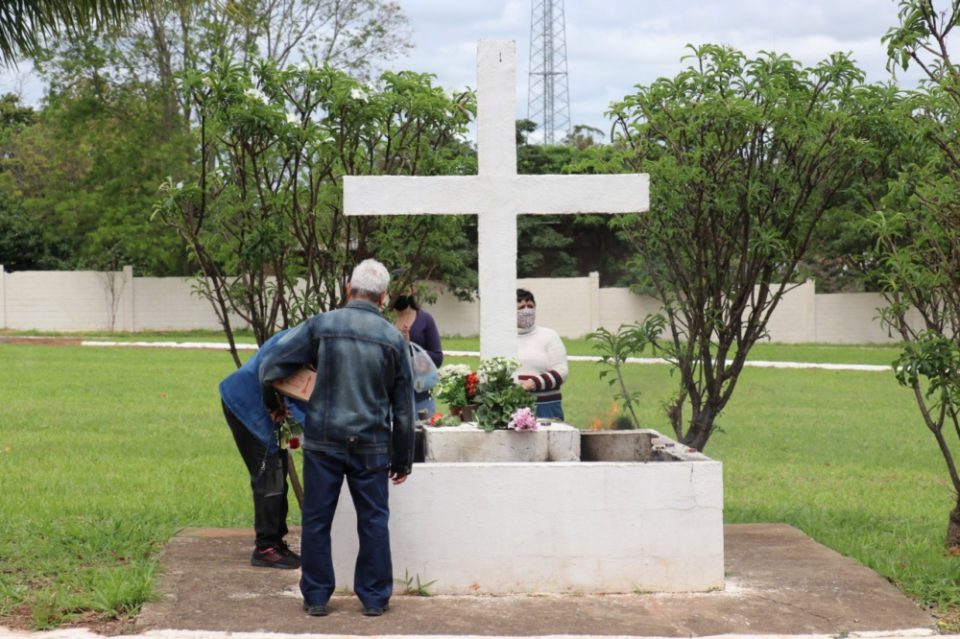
(413, 585)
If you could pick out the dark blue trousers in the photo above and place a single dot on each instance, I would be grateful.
(366, 475)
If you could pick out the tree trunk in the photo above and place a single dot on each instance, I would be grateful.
(701, 426)
(953, 530)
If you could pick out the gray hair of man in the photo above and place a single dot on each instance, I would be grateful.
(370, 280)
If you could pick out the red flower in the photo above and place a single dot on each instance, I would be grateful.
(436, 417)
(294, 443)
(472, 382)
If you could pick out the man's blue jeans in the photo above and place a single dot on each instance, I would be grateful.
(367, 479)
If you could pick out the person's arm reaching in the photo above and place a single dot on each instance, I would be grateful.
(288, 355)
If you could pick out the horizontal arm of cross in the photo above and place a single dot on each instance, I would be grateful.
(473, 194)
(545, 194)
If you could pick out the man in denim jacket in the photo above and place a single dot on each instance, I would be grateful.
(359, 424)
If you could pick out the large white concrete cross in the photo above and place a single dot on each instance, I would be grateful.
(496, 196)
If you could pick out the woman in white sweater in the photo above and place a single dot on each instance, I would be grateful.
(543, 358)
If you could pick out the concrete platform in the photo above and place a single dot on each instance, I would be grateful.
(779, 582)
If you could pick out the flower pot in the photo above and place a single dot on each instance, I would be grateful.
(465, 413)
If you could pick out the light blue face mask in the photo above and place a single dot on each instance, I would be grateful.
(526, 318)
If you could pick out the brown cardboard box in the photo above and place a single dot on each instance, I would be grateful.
(299, 385)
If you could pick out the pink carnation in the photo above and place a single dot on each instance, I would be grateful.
(523, 419)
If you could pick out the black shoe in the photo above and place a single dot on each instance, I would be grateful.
(373, 611)
(316, 610)
(273, 557)
(286, 552)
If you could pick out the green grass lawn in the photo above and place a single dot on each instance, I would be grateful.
(106, 453)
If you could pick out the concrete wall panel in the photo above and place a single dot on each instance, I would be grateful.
(88, 300)
(506, 528)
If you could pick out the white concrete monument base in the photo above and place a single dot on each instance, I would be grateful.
(469, 443)
(553, 527)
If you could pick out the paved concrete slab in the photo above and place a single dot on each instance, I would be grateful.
(779, 582)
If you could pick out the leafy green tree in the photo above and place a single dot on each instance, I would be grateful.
(114, 121)
(568, 245)
(172, 36)
(87, 168)
(28, 26)
(21, 244)
(263, 217)
(745, 156)
(840, 256)
(918, 228)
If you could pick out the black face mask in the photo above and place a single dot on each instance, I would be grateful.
(402, 303)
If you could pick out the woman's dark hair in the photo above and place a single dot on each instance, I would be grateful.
(411, 302)
(524, 295)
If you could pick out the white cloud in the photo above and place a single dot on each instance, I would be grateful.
(613, 45)
(616, 44)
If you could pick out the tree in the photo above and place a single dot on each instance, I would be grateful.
(21, 244)
(917, 229)
(27, 26)
(583, 136)
(170, 37)
(568, 245)
(745, 157)
(262, 215)
(86, 169)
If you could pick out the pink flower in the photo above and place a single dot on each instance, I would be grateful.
(523, 419)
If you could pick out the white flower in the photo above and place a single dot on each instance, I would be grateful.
(359, 94)
(179, 185)
(257, 94)
(453, 370)
(292, 119)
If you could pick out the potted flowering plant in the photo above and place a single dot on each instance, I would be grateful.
(499, 397)
(491, 395)
(457, 387)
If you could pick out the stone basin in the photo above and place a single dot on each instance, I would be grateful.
(553, 526)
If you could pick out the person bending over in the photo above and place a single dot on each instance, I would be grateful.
(255, 434)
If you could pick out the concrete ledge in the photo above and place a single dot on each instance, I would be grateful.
(555, 527)
(469, 443)
(617, 445)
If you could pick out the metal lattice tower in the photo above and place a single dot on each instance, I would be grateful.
(548, 98)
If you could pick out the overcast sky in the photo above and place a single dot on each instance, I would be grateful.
(613, 45)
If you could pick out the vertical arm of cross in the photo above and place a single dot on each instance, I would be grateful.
(497, 225)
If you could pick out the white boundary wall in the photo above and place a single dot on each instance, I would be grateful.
(90, 300)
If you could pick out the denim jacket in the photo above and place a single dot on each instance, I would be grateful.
(363, 397)
(240, 392)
